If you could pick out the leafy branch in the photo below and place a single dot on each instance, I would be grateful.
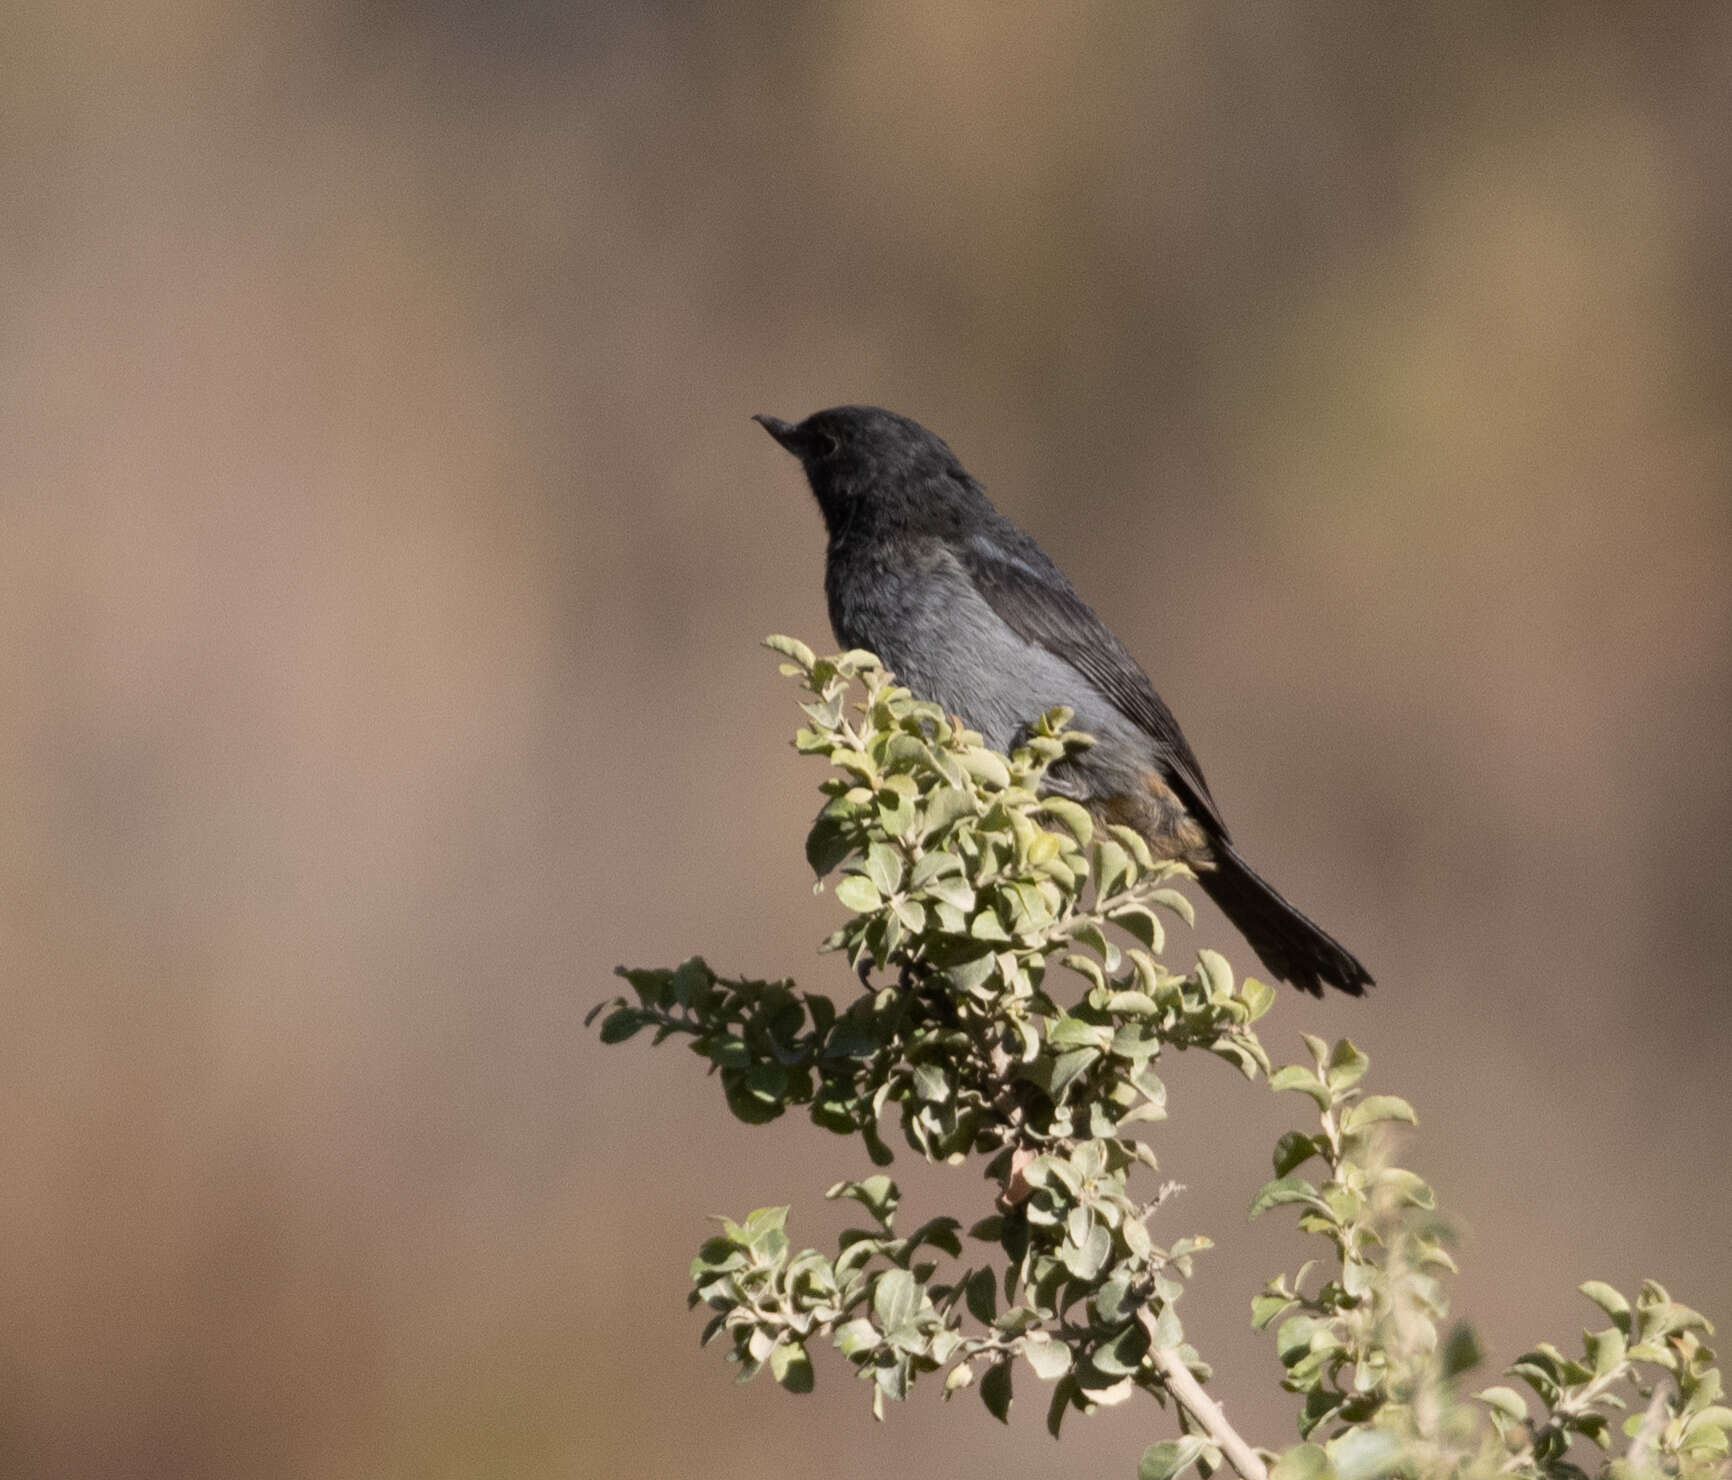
(1380, 1381)
(1013, 1006)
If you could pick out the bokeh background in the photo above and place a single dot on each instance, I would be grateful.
(383, 550)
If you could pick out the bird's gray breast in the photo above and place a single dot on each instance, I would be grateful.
(922, 615)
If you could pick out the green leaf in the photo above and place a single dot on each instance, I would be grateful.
(622, 1023)
(1409, 1187)
(1112, 864)
(931, 866)
(1217, 974)
(884, 1377)
(859, 894)
(1113, 1302)
(985, 767)
(1089, 933)
(953, 891)
(1044, 848)
(1086, 1262)
(1461, 1352)
(1077, 1224)
(852, 760)
(1506, 1400)
(981, 1293)
(1294, 1149)
(689, 978)
(1282, 1190)
(1709, 1429)
(1347, 1065)
(1364, 1454)
(791, 647)
(1071, 1032)
(1375, 1108)
(1357, 1277)
(718, 1254)
(1171, 899)
(1164, 1460)
(1067, 1068)
(896, 810)
(1141, 922)
(791, 1367)
(1542, 1380)
(1050, 1359)
(1121, 1355)
(986, 926)
(1301, 1462)
(748, 1100)
(911, 914)
(1606, 1351)
(884, 868)
(728, 1053)
(940, 1233)
(767, 1081)
(878, 1194)
(930, 1084)
(1267, 1309)
(945, 806)
(856, 1336)
(995, 1391)
(1130, 838)
(971, 971)
(766, 1220)
(827, 845)
(1258, 997)
(851, 1038)
(1298, 1077)
(1610, 1301)
(1074, 817)
(895, 1299)
(1087, 966)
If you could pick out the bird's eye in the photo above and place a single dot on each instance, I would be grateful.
(823, 446)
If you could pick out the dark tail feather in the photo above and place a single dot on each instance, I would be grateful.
(1293, 947)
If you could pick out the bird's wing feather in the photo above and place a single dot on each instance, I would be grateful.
(1032, 598)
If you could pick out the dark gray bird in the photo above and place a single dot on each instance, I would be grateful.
(968, 612)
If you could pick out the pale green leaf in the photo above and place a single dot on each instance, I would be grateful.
(1610, 1301)
(1375, 1108)
(793, 648)
(1171, 1456)
(791, 1367)
(858, 893)
(1283, 1190)
(1050, 1359)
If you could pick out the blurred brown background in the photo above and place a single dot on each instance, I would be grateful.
(383, 550)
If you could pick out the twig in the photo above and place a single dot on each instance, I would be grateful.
(1188, 1392)
(1647, 1435)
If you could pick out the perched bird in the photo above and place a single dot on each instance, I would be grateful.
(969, 613)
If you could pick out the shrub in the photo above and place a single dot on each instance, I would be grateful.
(1014, 1007)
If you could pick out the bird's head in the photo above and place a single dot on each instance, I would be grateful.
(864, 454)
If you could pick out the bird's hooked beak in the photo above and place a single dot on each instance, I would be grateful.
(786, 433)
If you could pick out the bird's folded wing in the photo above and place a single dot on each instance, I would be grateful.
(1031, 596)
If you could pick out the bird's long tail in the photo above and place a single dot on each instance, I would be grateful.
(1294, 947)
